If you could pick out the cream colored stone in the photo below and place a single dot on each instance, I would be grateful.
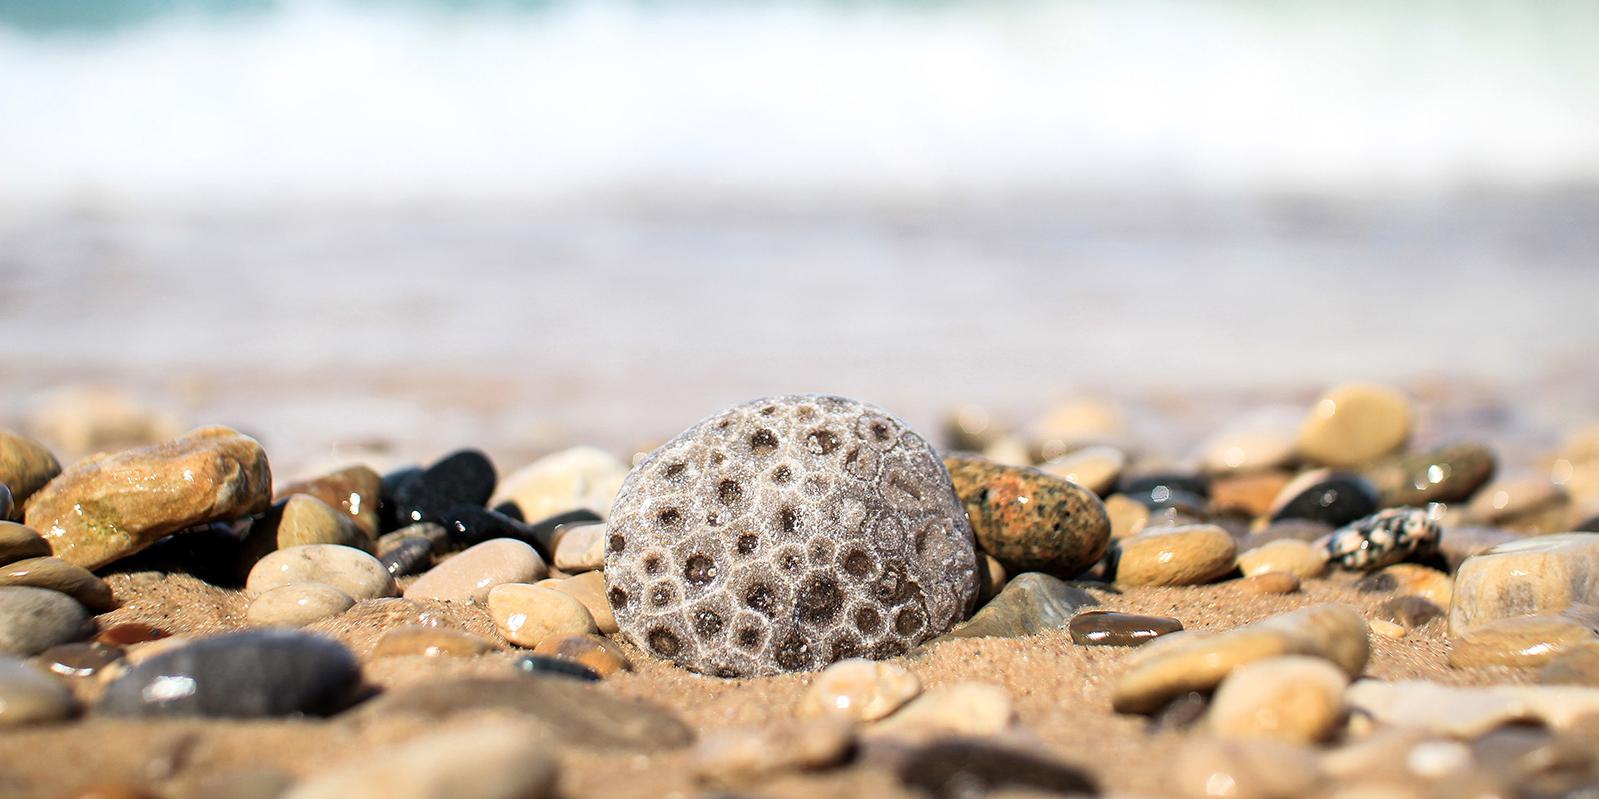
(1298, 558)
(498, 759)
(1414, 579)
(1532, 576)
(1079, 422)
(572, 479)
(469, 576)
(1524, 641)
(1208, 768)
(1183, 555)
(1291, 698)
(767, 749)
(581, 548)
(1386, 629)
(589, 589)
(527, 614)
(1269, 583)
(966, 708)
(1008, 450)
(1094, 468)
(1260, 441)
(1355, 423)
(350, 570)
(296, 605)
(859, 690)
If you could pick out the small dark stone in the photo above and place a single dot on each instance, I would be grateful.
(252, 674)
(394, 484)
(1409, 612)
(1030, 603)
(561, 667)
(79, 660)
(1591, 525)
(461, 478)
(1157, 487)
(966, 768)
(511, 509)
(1180, 713)
(545, 529)
(1446, 474)
(470, 524)
(1109, 628)
(211, 553)
(130, 633)
(1336, 498)
(6, 504)
(407, 556)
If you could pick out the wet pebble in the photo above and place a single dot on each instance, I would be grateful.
(581, 548)
(355, 491)
(350, 570)
(28, 696)
(1355, 423)
(465, 477)
(1411, 579)
(1257, 442)
(1522, 504)
(1523, 641)
(1184, 555)
(20, 543)
(962, 768)
(497, 759)
(744, 753)
(429, 642)
(1207, 768)
(1109, 628)
(593, 652)
(1382, 539)
(1289, 555)
(589, 589)
(1335, 498)
(1029, 520)
(859, 690)
(526, 614)
(1029, 603)
(300, 520)
(1186, 493)
(581, 478)
(407, 556)
(1446, 474)
(252, 674)
(1249, 494)
(964, 708)
(129, 633)
(470, 575)
(25, 467)
(1095, 468)
(1410, 612)
(1546, 574)
(1292, 698)
(35, 619)
(1269, 583)
(59, 575)
(296, 605)
(549, 666)
(79, 660)
(469, 524)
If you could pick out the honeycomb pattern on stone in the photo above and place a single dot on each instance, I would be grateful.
(785, 534)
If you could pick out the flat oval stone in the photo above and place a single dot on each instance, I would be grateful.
(1184, 555)
(580, 478)
(492, 760)
(962, 709)
(1336, 498)
(1524, 641)
(35, 619)
(471, 574)
(407, 556)
(79, 660)
(1128, 517)
(59, 575)
(589, 589)
(1355, 423)
(1109, 628)
(1269, 583)
(1540, 575)
(430, 642)
(464, 477)
(591, 651)
(129, 633)
(297, 604)
(527, 614)
(581, 548)
(1291, 698)
(1250, 494)
(555, 667)
(105, 508)
(1382, 539)
(20, 543)
(350, 570)
(1095, 468)
(1446, 474)
(1029, 520)
(30, 697)
(253, 674)
(859, 690)
(1295, 557)
(25, 467)
(355, 491)
(1030, 603)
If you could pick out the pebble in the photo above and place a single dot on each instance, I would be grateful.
(59, 575)
(20, 543)
(25, 467)
(1030, 603)
(1355, 423)
(1411, 579)
(859, 690)
(106, 508)
(744, 753)
(350, 570)
(1184, 555)
(407, 556)
(1185, 493)
(471, 574)
(301, 520)
(1109, 628)
(468, 525)
(1382, 539)
(1295, 557)
(35, 619)
(1029, 520)
(1577, 664)
(991, 578)
(1208, 768)
(1294, 698)
(547, 665)
(1306, 530)
(356, 491)
(1542, 762)
(1128, 516)
(79, 660)
(1540, 575)
(545, 531)
(1469, 712)
(1387, 629)
(1258, 442)
(7, 504)
(592, 651)
(1523, 641)
(1410, 612)
(589, 589)
(129, 633)
(581, 548)
(965, 768)
(1269, 583)
(429, 642)
(527, 614)
(465, 477)
(1190, 661)
(296, 605)
(581, 478)
(251, 674)
(964, 708)
(1250, 494)
(28, 696)
(496, 759)
(1323, 495)
(1076, 423)
(1522, 504)
(1446, 474)
(1095, 468)
(1465, 541)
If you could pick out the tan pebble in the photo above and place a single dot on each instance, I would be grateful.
(1208, 768)
(471, 574)
(1577, 665)
(581, 548)
(28, 696)
(596, 652)
(1270, 583)
(859, 690)
(1079, 422)
(350, 570)
(1524, 640)
(1540, 575)
(1293, 698)
(1414, 579)
(966, 708)
(59, 575)
(527, 614)
(785, 746)
(25, 467)
(1128, 517)
(1094, 468)
(1186, 555)
(20, 543)
(1250, 494)
(1518, 502)
(588, 588)
(491, 760)
(353, 490)
(1008, 450)
(1355, 423)
(415, 639)
(1386, 629)
(1259, 441)
(1298, 558)
(301, 520)
(296, 605)
(990, 578)
(1372, 755)
(578, 478)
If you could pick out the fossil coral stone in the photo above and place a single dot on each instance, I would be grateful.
(785, 534)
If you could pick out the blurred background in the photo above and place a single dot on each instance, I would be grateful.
(406, 226)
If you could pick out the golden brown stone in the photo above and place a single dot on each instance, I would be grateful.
(25, 467)
(59, 575)
(1269, 583)
(1029, 520)
(1355, 423)
(594, 651)
(1250, 494)
(1185, 555)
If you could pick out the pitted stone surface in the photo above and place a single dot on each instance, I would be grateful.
(785, 534)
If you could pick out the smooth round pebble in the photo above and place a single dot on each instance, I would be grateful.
(745, 753)
(1386, 629)
(1029, 520)
(1269, 583)
(965, 708)
(491, 760)
(471, 574)
(79, 660)
(25, 467)
(1538, 575)
(526, 614)
(1128, 517)
(1447, 474)
(350, 570)
(35, 619)
(59, 575)
(18, 542)
(1109, 628)
(592, 651)
(581, 548)
(28, 696)
(1382, 539)
(1184, 555)
(251, 674)
(1322, 495)
(1250, 494)
(464, 477)
(1355, 423)
(296, 605)
(415, 639)
(859, 690)
(1298, 558)
(1095, 468)
(588, 588)
(1259, 441)
(1293, 698)
(355, 491)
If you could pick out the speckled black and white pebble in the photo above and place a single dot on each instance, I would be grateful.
(785, 534)
(1382, 539)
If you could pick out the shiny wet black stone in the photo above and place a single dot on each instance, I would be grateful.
(1109, 628)
(544, 529)
(511, 509)
(394, 483)
(959, 768)
(465, 477)
(471, 524)
(79, 660)
(252, 674)
(1148, 487)
(409, 556)
(6, 505)
(560, 667)
(1338, 499)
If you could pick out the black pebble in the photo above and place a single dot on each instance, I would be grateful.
(1143, 487)
(957, 769)
(1337, 499)
(544, 529)
(511, 509)
(409, 556)
(472, 524)
(389, 505)
(6, 505)
(543, 664)
(465, 477)
(252, 674)
(211, 553)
